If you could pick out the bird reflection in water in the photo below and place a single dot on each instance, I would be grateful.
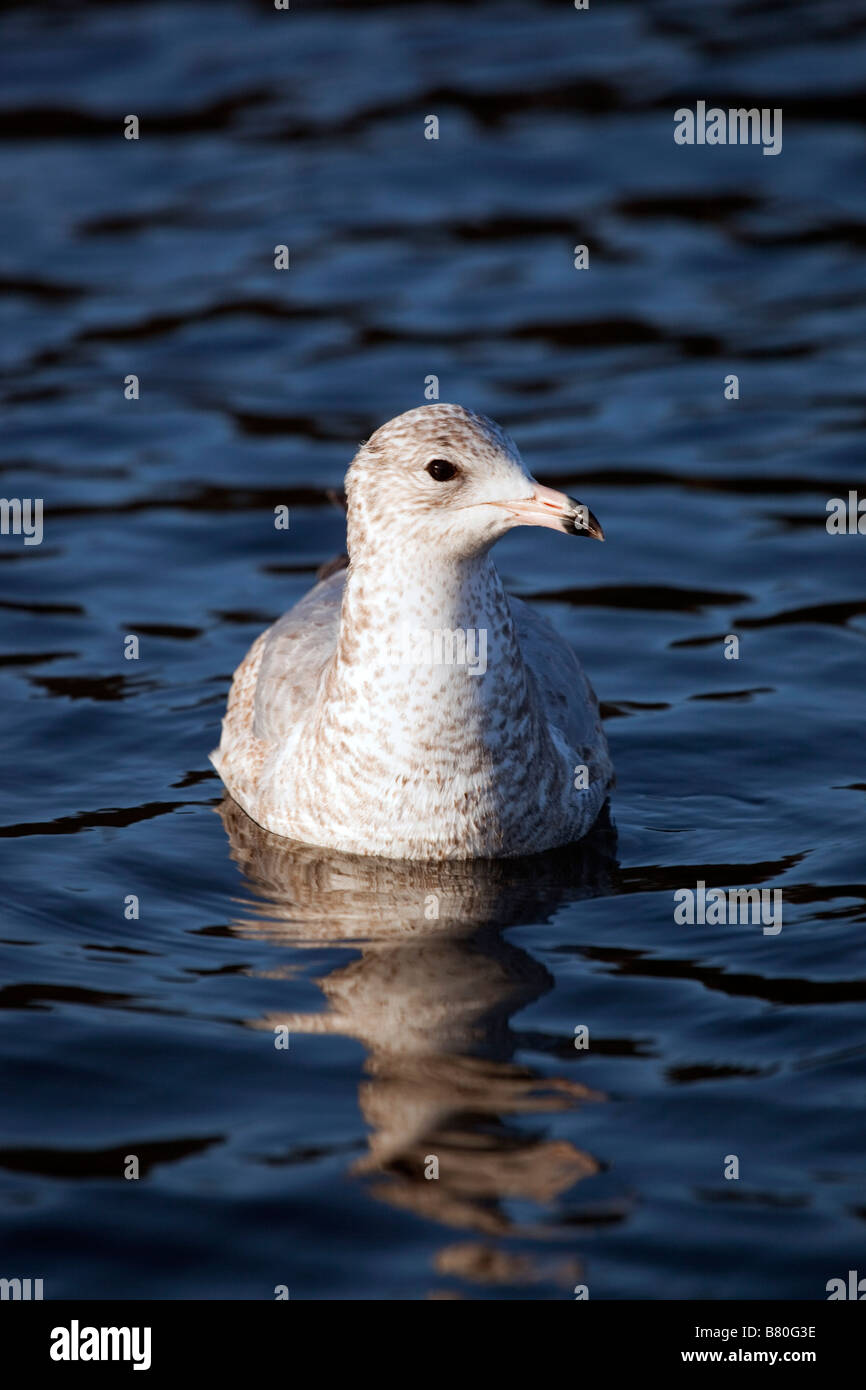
(429, 991)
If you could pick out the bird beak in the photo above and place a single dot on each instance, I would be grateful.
(545, 507)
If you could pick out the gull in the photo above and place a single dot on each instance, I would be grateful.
(407, 706)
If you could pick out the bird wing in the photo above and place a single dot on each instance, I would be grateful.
(564, 691)
(276, 685)
(295, 652)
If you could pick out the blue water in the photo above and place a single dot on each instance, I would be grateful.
(155, 1037)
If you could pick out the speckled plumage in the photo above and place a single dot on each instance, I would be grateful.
(332, 737)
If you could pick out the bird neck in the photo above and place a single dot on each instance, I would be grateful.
(426, 620)
(429, 659)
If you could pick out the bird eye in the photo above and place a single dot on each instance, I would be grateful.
(441, 470)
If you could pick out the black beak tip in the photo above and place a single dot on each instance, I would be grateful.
(584, 523)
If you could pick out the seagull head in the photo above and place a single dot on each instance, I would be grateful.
(442, 478)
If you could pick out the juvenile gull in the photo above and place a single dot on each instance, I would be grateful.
(407, 706)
